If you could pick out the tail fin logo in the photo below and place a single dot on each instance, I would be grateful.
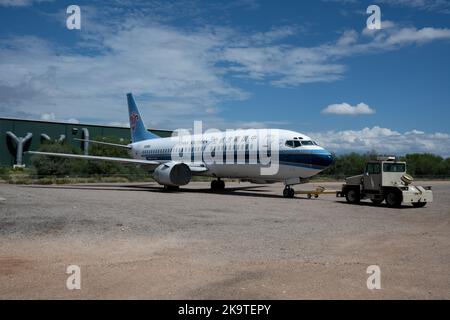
(133, 120)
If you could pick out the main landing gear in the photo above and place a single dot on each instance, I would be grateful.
(217, 185)
(288, 192)
(171, 188)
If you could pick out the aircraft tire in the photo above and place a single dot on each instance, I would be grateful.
(288, 192)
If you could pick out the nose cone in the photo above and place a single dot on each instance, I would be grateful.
(328, 159)
(322, 159)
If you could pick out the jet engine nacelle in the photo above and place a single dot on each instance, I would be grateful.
(172, 174)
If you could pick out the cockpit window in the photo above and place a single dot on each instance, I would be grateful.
(307, 143)
(293, 143)
(290, 143)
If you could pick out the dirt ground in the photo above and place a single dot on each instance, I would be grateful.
(247, 242)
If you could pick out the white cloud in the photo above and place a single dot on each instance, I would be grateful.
(347, 109)
(174, 73)
(72, 120)
(384, 140)
(48, 116)
(275, 34)
(287, 65)
(347, 38)
(418, 36)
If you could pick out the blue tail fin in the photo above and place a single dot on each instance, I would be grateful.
(138, 130)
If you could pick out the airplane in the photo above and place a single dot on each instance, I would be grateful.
(242, 153)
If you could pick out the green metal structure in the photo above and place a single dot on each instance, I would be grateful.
(54, 130)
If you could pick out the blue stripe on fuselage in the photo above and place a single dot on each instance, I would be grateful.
(314, 159)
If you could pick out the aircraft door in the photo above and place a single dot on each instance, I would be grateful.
(372, 177)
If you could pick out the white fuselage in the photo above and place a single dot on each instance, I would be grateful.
(241, 154)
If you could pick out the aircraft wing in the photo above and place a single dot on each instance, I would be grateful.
(105, 143)
(80, 156)
(194, 167)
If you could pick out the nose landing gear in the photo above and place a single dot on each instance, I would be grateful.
(288, 192)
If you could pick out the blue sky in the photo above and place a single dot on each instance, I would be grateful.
(309, 66)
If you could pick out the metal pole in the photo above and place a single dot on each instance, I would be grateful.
(85, 137)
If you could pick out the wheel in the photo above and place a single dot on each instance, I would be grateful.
(393, 199)
(217, 185)
(309, 196)
(419, 204)
(377, 201)
(353, 196)
(288, 193)
(171, 188)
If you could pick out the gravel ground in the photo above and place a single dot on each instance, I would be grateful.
(135, 241)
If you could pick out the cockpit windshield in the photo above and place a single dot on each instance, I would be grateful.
(307, 143)
(293, 143)
(299, 143)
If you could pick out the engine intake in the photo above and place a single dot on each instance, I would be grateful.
(172, 174)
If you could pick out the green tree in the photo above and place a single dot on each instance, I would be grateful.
(425, 164)
(418, 165)
(349, 164)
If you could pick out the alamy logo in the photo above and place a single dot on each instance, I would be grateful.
(374, 21)
(133, 120)
(374, 280)
(74, 20)
(228, 147)
(73, 282)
